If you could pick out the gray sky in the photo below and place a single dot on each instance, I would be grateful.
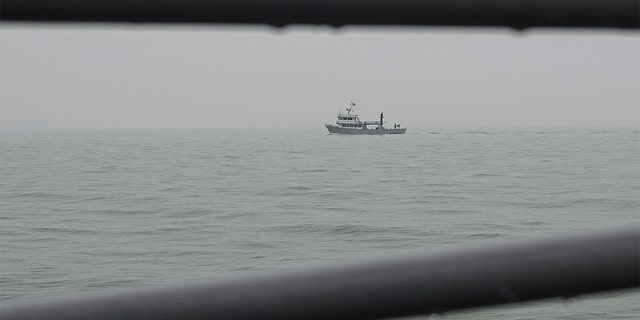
(118, 76)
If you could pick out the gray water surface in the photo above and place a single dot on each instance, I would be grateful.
(91, 211)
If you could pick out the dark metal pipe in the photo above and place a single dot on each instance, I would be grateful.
(470, 277)
(517, 14)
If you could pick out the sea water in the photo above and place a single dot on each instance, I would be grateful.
(87, 211)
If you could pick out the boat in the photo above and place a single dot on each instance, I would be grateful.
(350, 123)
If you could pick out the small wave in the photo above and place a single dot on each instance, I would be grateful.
(591, 203)
(34, 239)
(485, 236)
(231, 216)
(256, 244)
(171, 189)
(107, 282)
(392, 180)
(299, 188)
(485, 175)
(534, 223)
(37, 195)
(310, 171)
(486, 225)
(120, 212)
(333, 230)
(92, 198)
(231, 157)
(104, 169)
(344, 195)
(355, 229)
(63, 230)
(449, 212)
(246, 269)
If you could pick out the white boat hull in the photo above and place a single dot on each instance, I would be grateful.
(376, 131)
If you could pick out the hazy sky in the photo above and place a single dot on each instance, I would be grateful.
(120, 76)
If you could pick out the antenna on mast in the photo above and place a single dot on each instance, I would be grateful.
(350, 108)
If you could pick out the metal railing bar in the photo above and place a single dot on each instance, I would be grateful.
(422, 284)
(520, 14)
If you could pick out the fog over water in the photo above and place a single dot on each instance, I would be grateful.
(100, 77)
